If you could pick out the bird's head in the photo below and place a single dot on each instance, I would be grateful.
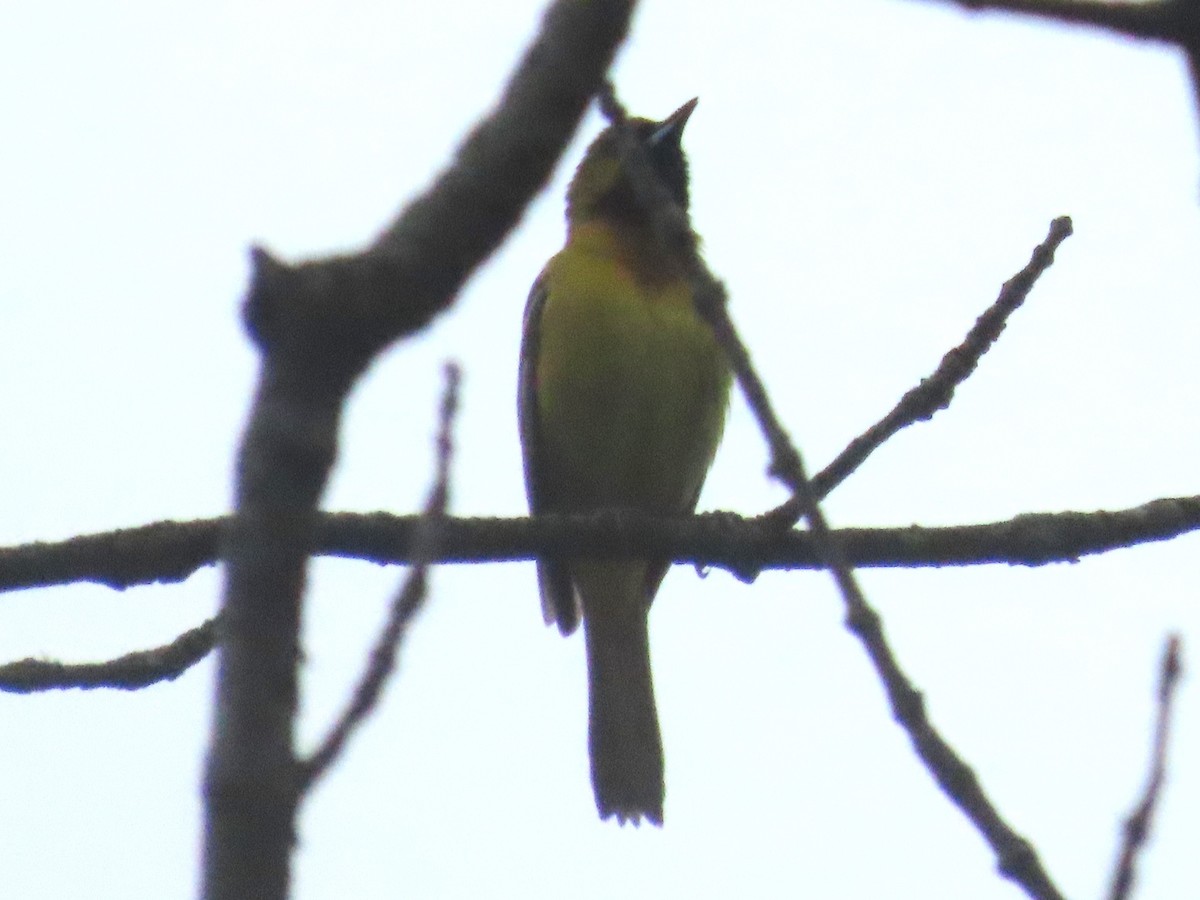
(601, 188)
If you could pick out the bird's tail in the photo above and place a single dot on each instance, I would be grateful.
(623, 735)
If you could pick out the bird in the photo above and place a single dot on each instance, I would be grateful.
(622, 394)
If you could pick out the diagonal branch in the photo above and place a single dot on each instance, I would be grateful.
(936, 392)
(404, 608)
(1017, 858)
(1137, 826)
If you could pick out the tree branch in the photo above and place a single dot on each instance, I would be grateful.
(318, 325)
(1166, 20)
(404, 608)
(1137, 826)
(130, 672)
(936, 392)
(743, 546)
(1017, 857)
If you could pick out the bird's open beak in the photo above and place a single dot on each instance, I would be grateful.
(671, 128)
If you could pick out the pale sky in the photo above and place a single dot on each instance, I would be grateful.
(866, 174)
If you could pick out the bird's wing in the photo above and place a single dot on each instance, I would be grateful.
(560, 605)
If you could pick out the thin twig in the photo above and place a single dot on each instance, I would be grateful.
(935, 392)
(130, 672)
(1137, 826)
(405, 607)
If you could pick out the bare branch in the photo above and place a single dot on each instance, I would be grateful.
(1015, 856)
(744, 546)
(337, 312)
(1137, 826)
(404, 608)
(129, 672)
(1169, 21)
(936, 392)
(159, 553)
(1165, 20)
(318, 325)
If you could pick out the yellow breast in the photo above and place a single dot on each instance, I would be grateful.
(632, 387)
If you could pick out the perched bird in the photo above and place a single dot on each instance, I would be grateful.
(622, 399)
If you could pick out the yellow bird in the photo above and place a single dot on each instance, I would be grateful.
(622, 400)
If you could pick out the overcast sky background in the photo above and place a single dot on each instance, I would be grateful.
(865, 174)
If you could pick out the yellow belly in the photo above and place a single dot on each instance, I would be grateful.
(632, 389)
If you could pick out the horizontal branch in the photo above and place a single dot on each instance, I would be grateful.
(171, 551)
(1174, 22)
(130, 672)
(1163, 20)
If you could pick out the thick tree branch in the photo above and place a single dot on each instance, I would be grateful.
(337, 312)
(1167, 20)
(318, 325)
